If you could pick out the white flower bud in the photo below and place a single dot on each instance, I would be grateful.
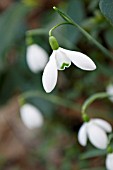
(36, 58)
(109, 161)
(109, 90)
(31, 116)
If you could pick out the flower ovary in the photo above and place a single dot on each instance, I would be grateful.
(53, 43)
(85, 118)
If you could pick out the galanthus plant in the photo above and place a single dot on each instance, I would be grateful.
(61, 59)
(95, 129)
(31, 116)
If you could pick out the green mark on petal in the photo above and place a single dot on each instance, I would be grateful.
(64, 65)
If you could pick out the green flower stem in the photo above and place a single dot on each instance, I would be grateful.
(50, 32)
(63, 102)
(31, 33)
(92, 99)
(110, 138)
(85, 33)
(51, 98)
(37, 32)
(110, 148)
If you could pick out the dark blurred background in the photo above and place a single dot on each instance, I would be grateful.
(55, 145)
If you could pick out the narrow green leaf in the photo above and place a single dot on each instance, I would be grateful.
(106, 7)
(92, 153)
(73, 9)
(11, 24)
(98, 168)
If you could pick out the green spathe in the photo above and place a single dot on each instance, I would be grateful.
(53, 43)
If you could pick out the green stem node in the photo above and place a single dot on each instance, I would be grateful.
(85, 118)
(53, 43)
(29, 40)
(109, 149)
(21, 101)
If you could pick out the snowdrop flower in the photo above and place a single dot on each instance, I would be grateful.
(109, 90)
(61, 59)
(95, 130)
(31, 116)
(109, 161)
(36, 58)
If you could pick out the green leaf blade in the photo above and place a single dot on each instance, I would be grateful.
(106, 7)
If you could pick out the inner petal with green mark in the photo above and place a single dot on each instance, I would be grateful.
(64, 65)
(62, 60)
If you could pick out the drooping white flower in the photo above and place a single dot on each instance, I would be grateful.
(36, 58)
(96, 130)
(61, 59)
(31, 116)
(109, 161)
(109, 90)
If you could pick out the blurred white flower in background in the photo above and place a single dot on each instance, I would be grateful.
(61, 59)
(95, 130)
(109, 90)
(109, 161)
(31, 116)
(36, 58)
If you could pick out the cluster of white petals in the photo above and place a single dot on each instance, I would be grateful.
(109, 90)
(109, 161)
(61, 59)
(36, 58)
(31, 116)
(96, 131)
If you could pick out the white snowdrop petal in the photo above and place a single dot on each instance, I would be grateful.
(36, 58)
(82, 135)
(31, 116)
(109, 90)
(49, 78)
(81, 60)
(103, 124)
(62, 60)
(97, 136)
(109, 161)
